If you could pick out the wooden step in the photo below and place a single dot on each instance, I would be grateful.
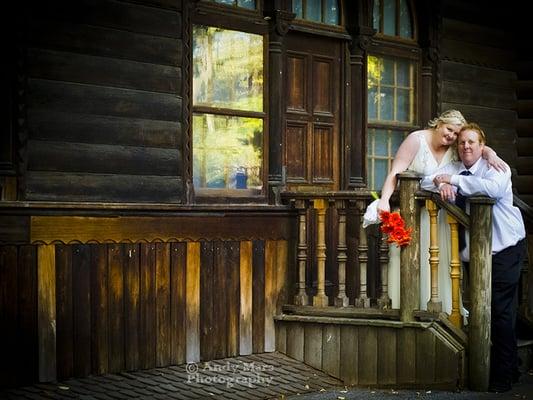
(524, 89)
(524, 127)
(525, 146)
(524, 165)
(524, 185)
(525, 108)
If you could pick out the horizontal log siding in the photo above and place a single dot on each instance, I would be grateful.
(477, 77)
(104, 102)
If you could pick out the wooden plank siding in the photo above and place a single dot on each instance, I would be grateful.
(104, 102)
(125, 306)
(477, 76)
(374, 353)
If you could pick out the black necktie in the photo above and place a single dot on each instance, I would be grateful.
(460, 201)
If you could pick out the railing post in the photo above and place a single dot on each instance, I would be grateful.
(455, 274)
(301, 299)
(433, 305)
(341, 300)
(321, 300)
(480, 291)
(362, 301)
(410, 255)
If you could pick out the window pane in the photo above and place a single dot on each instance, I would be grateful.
(381, 168)
(227, 69)
(230, 2)
(403, 77)
(376, 15)
(405, 20)
(403, 105)
(386, 104)
(396, 141)
(372, 103)
(313, 10)
(332, 12)
(381, 145)
(297, 8)
(246, 4)
(389, 17)
(227, 152)
(387, 72)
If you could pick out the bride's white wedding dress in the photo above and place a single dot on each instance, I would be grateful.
(424, 163)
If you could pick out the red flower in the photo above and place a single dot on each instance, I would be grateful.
(393, 225)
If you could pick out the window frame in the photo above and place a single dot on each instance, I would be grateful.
(235, 19)
(394, 47)
(397, 37)
(309, 26)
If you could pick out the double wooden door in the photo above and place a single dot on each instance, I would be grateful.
(312, 112)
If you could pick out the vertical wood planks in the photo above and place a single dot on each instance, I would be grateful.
(100, 310)
(270, 294)
(8, 314)
(407, 356)
(147, 331)
(64, 308)
(258, 301)
(387, 353)
(81, 306)
(245, 315)
(116, 307)
(131, 306)
(331, 350)
(220, 288)
(233, 297)
(295, 341)
(425, 357)
(349, 355)
(27, 315)
(178, 300)
(313, 345)
(193, 302)
(368, 351)
(207, 336)
(46, 312)
(162, 278)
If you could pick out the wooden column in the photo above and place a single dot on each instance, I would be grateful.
(46, 312)
(301, 299)
(410, 255)
(362, 301)
(433, 305)
(342, 300)
(384, 300)
(455, 266)
(480, 291)
(321, 300)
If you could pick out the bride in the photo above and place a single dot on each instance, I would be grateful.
(424, 152)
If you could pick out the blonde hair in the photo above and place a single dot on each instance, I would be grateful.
(472, 126)
(452, 117)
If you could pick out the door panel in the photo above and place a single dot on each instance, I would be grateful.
(312, 116)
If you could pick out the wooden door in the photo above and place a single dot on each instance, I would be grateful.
(312, 118)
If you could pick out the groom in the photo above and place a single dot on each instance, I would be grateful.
(473, 176)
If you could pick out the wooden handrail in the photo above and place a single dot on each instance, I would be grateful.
(527, 210)
(452, 209)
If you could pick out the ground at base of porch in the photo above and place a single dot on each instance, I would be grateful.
(260, 376)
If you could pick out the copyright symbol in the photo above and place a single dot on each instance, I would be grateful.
(191, 368)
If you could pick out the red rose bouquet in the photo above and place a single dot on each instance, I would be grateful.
(393, 225)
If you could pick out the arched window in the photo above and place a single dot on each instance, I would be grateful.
(322, 11)
(392, 72)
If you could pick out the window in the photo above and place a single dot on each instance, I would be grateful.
(392, 92)
(228, 116)
(250, 4)
(323, 11)
(393, 18)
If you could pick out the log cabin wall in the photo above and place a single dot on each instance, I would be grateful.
(119, 304)
(101, 101)
(477, 71)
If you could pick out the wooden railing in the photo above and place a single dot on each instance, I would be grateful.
(349, 207)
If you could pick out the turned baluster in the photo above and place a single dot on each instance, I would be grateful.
(341, 300)
(362, 301)
(455, 274)
(384, 300)
(301, 299)
(321, 300)
(433, 304)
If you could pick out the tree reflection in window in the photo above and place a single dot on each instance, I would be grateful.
(250, 4)
(323, 11)
(228, 115)
(393, 18)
